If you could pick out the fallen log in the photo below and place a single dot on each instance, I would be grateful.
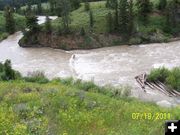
(165, 92)
(173, 92)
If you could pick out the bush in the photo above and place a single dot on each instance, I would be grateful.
(173, 80)
(7, 73)
(3, 36)
(159, 74)
(86, 6)
(170, 77)
(135, 40)
(36, 76)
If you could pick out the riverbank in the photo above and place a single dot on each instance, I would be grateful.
(88, 41)
(81, 36)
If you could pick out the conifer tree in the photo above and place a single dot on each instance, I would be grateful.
(116, 17)
(91, 19)
(39, 7)
(32, 23)
(86, 6)
(172, 11)
(48, 27)
(109, 22)
(64, 8)
(144, 8)
(123, 17)
(131, 18)
(10, 22)
(162, 4)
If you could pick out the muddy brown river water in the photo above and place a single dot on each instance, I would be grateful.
(112, 65)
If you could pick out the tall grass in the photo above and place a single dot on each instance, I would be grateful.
(171, 77)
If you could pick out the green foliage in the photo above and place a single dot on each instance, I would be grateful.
(3, 36)
(64, 8)
(109, 19)
(37, 77)
(79, 18)
(86, 6)
(123, 17)
(172, 21)
(82, 32)
(159, 74)
(173, 80)
(169, 77)
(126, 18)
(91, 19)
(162, 4)
(56, 108)
(144, 8)
(111, 3)
(31, 22)
(48, 27)
(39, 7)
(10, 22)
(19, 24)
(7, 73)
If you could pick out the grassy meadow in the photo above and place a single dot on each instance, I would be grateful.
(66, 107)
(154, 31)
(34, 105)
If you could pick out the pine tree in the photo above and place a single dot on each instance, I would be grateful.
(86, 6)
(9, 72)
(10, 22)
(144, 8)
(91, 19)
(108, 4)
(131, 18)
(116, 17)
(32, 23)
(48, 27)
(52, 4)
(123, 17)
(75, 4)
(111, 3)
(172, 10)
(109, 20)
(39, 7)
(29, 8)
(162, 4)
(64, 8)
(83, 32)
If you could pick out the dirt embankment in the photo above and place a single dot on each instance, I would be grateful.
(68, 42)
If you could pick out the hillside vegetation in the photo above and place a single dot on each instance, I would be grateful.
(101, 25)
(59, 108)
(34, 105)
(19, 24)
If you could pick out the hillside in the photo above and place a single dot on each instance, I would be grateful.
(63, 107)
(81, 35)
(19, 22)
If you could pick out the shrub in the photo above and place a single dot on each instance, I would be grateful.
(170, 77)
(159, 74)
(135, 40)
(36, 76)
(7, 73)
(82, 32)
(86, 6)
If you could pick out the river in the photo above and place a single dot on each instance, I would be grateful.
(111, 65)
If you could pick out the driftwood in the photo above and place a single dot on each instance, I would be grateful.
(143, 82)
